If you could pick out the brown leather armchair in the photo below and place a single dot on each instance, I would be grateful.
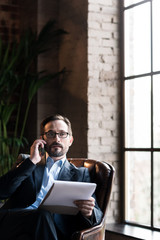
(102, 174)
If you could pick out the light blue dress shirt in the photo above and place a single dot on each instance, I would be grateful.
(51, 172)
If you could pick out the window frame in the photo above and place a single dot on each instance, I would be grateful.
(122, 131)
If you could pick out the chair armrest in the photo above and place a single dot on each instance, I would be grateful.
(93, 233)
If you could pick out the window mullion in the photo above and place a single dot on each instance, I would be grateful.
(152, 133)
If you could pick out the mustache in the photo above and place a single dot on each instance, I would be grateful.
(56, 144)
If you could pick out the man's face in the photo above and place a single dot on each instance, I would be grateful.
(56, 146)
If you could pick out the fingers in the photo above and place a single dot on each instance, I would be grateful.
(39, 143)
(85, 206)
(34, 150)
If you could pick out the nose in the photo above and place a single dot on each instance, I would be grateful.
(57, 138)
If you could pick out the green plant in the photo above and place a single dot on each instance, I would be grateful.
(18, 75)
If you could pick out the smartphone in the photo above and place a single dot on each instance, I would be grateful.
(42, 151)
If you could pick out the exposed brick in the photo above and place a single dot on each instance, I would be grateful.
(6, 8)
(103, 81)
(9, 19)
(109, 2)
(103, 85)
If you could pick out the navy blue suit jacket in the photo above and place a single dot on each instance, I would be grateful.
(22, 184)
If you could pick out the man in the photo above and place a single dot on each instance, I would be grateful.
(27, 184)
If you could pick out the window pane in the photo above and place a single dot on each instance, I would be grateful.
(138, 187)
(156, 189)
(129, 2)
(137, 40)
(137, 113)
(156, 111)
(156, 35)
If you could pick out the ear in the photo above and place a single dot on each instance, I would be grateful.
(71, 140)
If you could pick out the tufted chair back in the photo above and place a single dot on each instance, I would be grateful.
(102, 174)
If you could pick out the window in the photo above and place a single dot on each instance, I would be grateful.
(142, 112)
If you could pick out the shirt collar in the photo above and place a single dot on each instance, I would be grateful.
(50, 162)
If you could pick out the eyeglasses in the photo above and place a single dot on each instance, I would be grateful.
(52, 134)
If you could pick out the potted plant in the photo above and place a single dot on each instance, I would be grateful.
(18, 61)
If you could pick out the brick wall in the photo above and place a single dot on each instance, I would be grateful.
(9, 19)
(103, 85)
(99, 87)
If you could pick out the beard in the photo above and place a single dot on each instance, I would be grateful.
(54, 151)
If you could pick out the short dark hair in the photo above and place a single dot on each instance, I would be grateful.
(54, 118)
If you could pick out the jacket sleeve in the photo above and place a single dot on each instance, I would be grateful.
(97, 213)
(13, 179)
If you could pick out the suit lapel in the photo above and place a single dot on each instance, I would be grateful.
(38, 172)
(38, 177)
(67, 172)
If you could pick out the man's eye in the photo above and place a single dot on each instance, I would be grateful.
(62, 134)
(50, 134)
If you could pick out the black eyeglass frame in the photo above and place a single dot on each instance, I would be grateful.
(55, 133)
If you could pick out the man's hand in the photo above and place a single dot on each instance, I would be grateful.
(34, 150)
(85, 206)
